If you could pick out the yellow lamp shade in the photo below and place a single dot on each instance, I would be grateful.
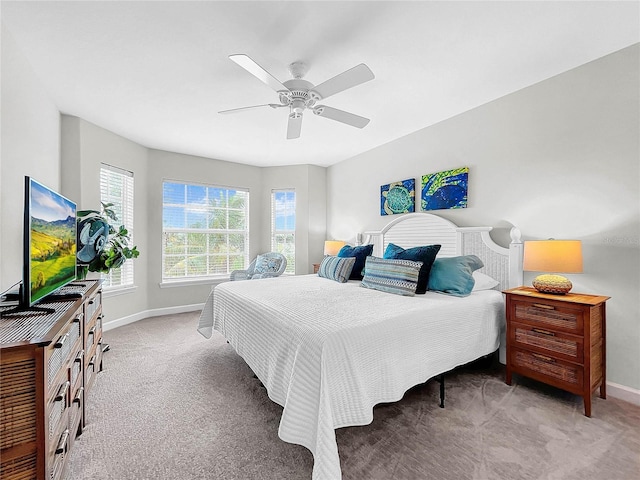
(557, 256)
(332, 247)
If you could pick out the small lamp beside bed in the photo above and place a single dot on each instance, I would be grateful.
(560, 256)
(332, 247)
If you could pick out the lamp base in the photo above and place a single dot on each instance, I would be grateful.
(554, 284)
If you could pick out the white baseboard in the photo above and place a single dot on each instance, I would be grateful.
(623, 392)
(156, 312)
(616, 390)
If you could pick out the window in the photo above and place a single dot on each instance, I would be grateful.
(205, 230)
(283, 226)
(116, 187)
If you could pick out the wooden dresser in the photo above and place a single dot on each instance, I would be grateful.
(48, 363)
(558, 339)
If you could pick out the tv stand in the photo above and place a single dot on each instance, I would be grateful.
(49, 363)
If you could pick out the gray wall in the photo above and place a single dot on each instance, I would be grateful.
(559, 159)
(30, 135)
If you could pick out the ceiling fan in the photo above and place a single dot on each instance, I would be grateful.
(299, 94)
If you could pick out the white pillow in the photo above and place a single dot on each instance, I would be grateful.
(483, 282)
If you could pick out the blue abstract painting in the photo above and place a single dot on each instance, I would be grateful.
(444, 190)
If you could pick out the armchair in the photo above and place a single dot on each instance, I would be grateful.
(266, 265)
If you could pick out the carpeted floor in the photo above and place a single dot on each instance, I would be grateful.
(172, 405)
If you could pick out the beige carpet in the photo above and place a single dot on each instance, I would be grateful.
(173, 405)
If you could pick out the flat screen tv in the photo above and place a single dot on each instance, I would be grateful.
(49, 243)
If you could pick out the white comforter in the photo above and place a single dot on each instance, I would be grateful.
(328, 352)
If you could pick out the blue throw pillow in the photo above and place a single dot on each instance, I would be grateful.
(338, 269)
(392, 276)
(454, 275)
(361, 253)
(425, 254)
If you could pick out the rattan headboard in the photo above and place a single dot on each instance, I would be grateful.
(415, 229)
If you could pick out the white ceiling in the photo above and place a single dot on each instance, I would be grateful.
(158, 72)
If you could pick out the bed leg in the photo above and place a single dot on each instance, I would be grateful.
(440, 380)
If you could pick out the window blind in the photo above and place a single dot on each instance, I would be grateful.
(116, 187)
(205, 230)
(283, 225)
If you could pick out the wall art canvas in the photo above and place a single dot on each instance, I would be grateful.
(398, 197)
(444, 190)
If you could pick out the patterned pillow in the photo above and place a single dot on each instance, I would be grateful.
(361, 253)
(392, 276)
(454, 275)
(425, 254)
(267, 264)
(336, 268)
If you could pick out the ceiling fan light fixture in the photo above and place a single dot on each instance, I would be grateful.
(299, 94)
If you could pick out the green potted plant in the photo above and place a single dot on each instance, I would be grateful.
(101, 247)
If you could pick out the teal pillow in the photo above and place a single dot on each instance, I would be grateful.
(425, 254)
(335, 268)
(391, 276)
(454, 275)
(361, 253)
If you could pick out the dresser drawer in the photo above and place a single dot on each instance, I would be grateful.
(547, 369)
(64, 349)
(549, 342)
(549, 316)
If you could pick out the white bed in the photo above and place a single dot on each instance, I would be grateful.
(329, 352)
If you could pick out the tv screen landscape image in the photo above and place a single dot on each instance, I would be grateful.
(51, 243)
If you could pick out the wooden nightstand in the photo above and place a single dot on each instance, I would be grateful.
(558, 339)
(316, 267)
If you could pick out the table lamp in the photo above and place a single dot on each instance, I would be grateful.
(332, 247)
(557, 256)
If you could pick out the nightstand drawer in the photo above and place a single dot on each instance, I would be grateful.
(548, 315)
(557, 344)
(547, 369)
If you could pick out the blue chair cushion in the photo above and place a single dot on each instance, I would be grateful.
(360, 253)
(267, 264)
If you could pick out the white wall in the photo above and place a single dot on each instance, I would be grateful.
(309, 182)
(85, 147)
(558, 159)
(30, 135)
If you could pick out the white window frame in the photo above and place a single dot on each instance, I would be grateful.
(206, 278)
(117, 187)
(291, 263)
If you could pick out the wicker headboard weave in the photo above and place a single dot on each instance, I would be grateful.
(415, 229)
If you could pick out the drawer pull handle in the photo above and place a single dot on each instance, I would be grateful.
(545, 307)
(92, 362)
(93, 330)
(543, 332)
(62, 392)
(78, 358)
(62, 443)
(61, 340)
(77, 319)
(78, 398)
(90, 302)
(544, 358)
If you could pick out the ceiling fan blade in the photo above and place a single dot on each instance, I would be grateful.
(341, 116)
(294, 126)
(256, 70)
(233, 110)
(352, 77)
